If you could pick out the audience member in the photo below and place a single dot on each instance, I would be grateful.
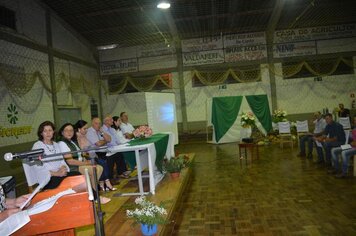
(97, 137)
(125, 126)
(345, 154)
(333, 136)
(58, 168)
(320, 124)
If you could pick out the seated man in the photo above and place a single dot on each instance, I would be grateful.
(320, 124)
(333, 136)
(118, 158)
(125, 126)
(345, 154)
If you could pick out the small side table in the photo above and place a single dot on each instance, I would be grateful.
(248, 147)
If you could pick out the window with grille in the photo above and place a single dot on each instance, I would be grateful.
(7, 18)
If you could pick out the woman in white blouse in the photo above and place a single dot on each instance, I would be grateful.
(56, 167)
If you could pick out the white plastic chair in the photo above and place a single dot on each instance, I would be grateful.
(34, 174)
(302, 128)
(345, 122)
(284, 133)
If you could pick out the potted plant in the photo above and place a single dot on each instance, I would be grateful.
(148, 214)
(174, 166)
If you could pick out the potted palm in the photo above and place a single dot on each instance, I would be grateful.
(148, 214)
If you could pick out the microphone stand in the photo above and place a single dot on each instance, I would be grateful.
(98, 213)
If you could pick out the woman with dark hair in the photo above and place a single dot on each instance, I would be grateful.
(56, 168)
(119, 134)
(81, 128)
(76, 161)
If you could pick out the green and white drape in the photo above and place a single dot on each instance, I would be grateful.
(224, 114)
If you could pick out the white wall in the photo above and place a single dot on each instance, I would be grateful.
(35, 105)
(304, 95)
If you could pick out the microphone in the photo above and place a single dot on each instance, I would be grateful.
(23, 155)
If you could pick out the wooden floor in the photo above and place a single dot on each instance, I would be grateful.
(279, 194)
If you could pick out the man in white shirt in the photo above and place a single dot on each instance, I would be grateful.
(118, 158)
(125, 126)
(320, 124)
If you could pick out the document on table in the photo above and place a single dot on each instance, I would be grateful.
(19, 219)
(318, 144)
(345, 146)
(14, 223)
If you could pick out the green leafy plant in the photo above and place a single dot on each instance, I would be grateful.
(174, 165)
(147, 212)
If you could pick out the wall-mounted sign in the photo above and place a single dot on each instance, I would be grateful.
(315, 33)
(202, 44)
(203, 58)
(119, 66)
(294, 49)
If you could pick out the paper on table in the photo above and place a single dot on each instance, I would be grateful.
(39, 187)
(48, 203)
(14, 223)
(318, 144)
(345, 146)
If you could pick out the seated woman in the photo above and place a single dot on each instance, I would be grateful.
(81, 128)
(9, 206)
(57, 168)
(76, 161)
(120, 136)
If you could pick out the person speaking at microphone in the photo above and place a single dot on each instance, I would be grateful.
(57, 168)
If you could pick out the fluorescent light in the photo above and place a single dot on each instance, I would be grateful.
(106, 47)
(163, 5)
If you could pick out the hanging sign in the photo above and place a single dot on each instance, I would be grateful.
(294, 49)
(315, 33)
(202, 44)
(118, 66)
(203, 58)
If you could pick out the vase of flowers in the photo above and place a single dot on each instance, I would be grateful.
(142, 132)
(279, 116)
(247, 122)
(248, 119)
(148, 214)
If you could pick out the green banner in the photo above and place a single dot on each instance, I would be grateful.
(259, 106)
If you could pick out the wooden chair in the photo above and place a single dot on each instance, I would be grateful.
(284, 133)
(302, 129)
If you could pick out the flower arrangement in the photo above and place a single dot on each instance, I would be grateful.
(142, 132)
(247, 119)
(279, 116)
(147, 212)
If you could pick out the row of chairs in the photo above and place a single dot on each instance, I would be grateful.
(284, 129)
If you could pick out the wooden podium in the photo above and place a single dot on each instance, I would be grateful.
(69, 212)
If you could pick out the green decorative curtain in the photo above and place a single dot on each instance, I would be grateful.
(260, 107)
(224, 114)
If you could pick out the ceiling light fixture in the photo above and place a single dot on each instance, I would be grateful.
(106, 47)
(163, 5)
